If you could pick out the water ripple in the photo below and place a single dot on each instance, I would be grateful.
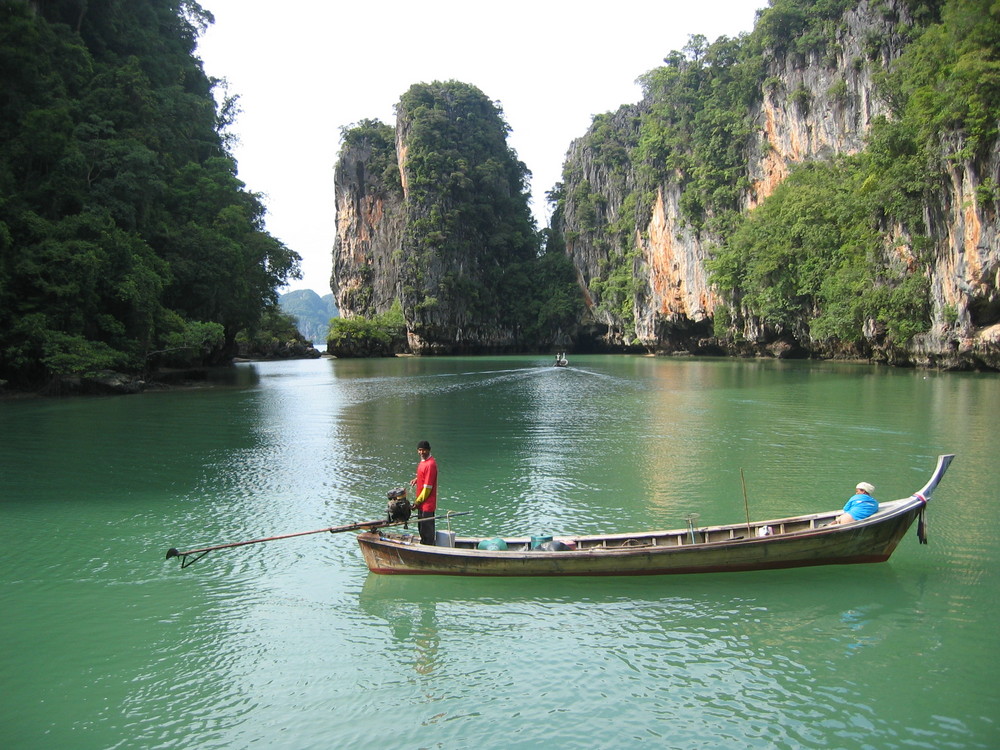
(294, 644)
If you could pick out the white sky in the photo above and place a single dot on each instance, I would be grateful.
(304, 69)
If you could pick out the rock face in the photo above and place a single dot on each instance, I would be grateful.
(811, 107)
(965, 280)
(371, 218)
(312, 313)
(434, 216)
(820, 107)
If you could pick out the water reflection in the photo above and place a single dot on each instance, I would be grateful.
(688, 648)
(412, 623)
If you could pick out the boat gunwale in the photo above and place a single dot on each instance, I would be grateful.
(886, 512)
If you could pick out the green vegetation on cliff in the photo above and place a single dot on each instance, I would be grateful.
(311, 312)
(382, 335)
(814, 255)
(468, 225)
(125, 234)
(811, 257)
(472, 273)
(697, 125)
(815, 259)
(379, 141)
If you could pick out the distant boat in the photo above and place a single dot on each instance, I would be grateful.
(793, 542)
(561, 360)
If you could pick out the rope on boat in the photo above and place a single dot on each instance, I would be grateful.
(921, 521)
(636, 543)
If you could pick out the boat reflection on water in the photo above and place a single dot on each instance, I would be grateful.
(842, 609)
(412, 620)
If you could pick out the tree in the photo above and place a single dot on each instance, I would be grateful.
(122, 222)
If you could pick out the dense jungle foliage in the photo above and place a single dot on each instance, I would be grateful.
(126, 239)
(471, 257)
(813, 258)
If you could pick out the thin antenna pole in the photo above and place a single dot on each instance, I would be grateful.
(746, 504)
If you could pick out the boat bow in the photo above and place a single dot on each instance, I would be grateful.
(944, 461)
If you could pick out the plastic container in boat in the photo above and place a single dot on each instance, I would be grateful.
(538, 541)
(494, 544)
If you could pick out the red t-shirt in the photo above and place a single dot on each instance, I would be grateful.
(427, 476)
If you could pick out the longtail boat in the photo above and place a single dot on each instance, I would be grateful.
(793, 542)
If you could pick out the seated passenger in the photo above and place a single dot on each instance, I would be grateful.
(861, 505)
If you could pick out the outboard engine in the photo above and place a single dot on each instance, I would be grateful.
(399, 507)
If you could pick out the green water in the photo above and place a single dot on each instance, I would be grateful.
(293, 644)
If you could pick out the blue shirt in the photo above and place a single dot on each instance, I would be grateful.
(861, 506)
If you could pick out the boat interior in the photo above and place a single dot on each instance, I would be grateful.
(692, 535)
(671, 538)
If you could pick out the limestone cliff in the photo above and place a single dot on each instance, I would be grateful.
(965, 278)
(370, 222)
(812, 105)
(433, 216)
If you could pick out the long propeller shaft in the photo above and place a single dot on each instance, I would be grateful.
(197, 554)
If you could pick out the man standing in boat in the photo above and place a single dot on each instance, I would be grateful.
(426, 487)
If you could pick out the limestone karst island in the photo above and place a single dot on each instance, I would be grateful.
(826, 185)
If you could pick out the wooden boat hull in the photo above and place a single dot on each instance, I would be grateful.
(848, 545)
(794, 542)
